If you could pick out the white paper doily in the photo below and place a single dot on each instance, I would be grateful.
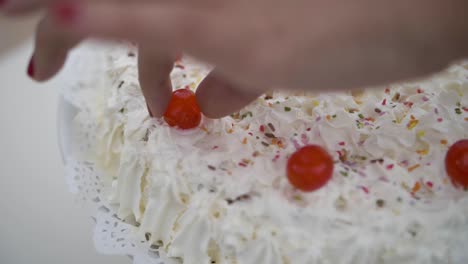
(84, 70)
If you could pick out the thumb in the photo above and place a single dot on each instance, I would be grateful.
(218, 97)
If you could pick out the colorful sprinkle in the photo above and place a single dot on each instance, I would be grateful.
(365, 189)
(404, 163)
(380, 203)
(279, 143)
(423, 152)
(412, 123)
(421, 133)
(412, 168)
(249, 113)
(296, 144)
(270, 125)
(276, 158)
(416, 187)
(204, 129)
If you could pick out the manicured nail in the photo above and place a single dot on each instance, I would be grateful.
(31, 68)
(149, 111)
(178, 56)
(66, 13)
(2, 3)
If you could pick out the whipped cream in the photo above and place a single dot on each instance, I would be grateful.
(219, 193)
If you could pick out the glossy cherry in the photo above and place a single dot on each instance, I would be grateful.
(456, 163)
(310, 168)
(183, 110)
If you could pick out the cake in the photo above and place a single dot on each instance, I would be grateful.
(219, 193)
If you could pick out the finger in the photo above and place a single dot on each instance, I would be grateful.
(154, 73)
(172, 27)
(218, 97)
(16, 7)
(19, 7)
(51, 48)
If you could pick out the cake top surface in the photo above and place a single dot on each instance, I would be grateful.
(220, 192)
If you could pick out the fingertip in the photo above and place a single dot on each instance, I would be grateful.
(157, 101)
(218, 98)
(154, 71)
(31, 69)
(46, 68)
(149, 111)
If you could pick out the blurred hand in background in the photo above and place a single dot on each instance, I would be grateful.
(318, 45)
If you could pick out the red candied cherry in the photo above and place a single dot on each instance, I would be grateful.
(310, 168)
(183, 110)
(456, 163)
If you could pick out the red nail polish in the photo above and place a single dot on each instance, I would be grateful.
(149, 111)
(2, 3)
(31, 68)
(178, 56)
(65, 12)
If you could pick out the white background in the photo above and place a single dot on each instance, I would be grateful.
(40, 222)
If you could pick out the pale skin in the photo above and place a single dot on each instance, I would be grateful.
(258, 45)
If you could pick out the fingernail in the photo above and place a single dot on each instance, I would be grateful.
(31, 69)
(178, 56)
(2, 3)
(65, 13)
(149, 111)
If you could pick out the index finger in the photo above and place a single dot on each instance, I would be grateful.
(154, 69)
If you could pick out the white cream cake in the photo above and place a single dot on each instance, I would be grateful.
(219, 193)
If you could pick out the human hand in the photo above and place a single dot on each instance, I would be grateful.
(302, 44)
